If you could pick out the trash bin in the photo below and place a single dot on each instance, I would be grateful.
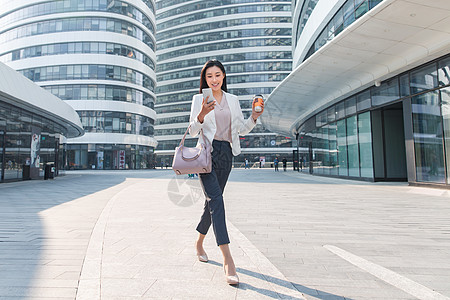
(26, 172)
(52, 171)
(48, 172)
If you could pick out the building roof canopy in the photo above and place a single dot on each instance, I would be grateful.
(393, 37)
(21, 92)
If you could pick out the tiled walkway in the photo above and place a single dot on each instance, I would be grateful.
(130, 235)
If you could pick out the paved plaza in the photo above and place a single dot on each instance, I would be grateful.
(130, 235)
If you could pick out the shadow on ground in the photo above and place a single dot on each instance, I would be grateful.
(22, 232)
(283, 283)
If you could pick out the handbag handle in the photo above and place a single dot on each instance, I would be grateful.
(182, 145)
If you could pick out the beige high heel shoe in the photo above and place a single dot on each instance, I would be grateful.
(231, 279)
(202, 258)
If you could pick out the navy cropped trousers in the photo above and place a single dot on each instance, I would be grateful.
(213, 185)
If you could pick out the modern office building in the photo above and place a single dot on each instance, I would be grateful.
(253, 41)
(33, 127)
(369, 94)
(98, 56)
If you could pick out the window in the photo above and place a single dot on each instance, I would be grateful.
(445, 99)
(365, 145)
(424, 78)
(363, 101)
(388, 91)
(352, 147)
(427, 132)
(444, 71)
(350, 106)
(342, 147)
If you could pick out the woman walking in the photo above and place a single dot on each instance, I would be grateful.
(222, 122)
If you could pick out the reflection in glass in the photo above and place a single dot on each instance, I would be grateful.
(365, 145)
(363, 100)
(352, 146)
(317, 153)
(428, 145)
(350, 106)
(226, 45)
(331, 114)
(332, 137)
(424, 79)
(342, 147)
(326, 151)
(12, 143)
(444, 71)
(388, 91)
(362, 9)
(340, 110)
(445, 99)
(404, 85)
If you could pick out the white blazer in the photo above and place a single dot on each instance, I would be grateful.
(239, 126)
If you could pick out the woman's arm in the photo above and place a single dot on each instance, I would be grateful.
(199, 109)
(245, 126)
(195, 125)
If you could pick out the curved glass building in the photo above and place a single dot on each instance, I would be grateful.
(98, 56)
(369, 94)
(253, 41)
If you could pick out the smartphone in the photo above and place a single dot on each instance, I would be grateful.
(208, 92)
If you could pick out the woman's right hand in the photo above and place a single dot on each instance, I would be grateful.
(206, 109)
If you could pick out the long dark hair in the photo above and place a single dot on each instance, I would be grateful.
(208, 64)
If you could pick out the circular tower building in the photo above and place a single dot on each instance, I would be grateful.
(98, 56)
(253, 41)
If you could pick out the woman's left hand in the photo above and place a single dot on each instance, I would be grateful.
(255, 115)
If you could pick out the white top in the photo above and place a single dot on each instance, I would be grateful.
(239, 126)
(223, 120)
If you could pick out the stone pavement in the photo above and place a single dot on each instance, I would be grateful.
(130, 235)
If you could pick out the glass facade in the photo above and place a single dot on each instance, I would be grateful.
(221, 24)
(307, 9)
(284, 57)
(363, 136)
(216, 12)
(167, 3)
(349, 12)
(445, 98)
(16, 132)
(256, 53)
(89, 69)
(227, 45)
(116, 122)
(79, 47)
(428, 137)
(101, 92)
(109, 157)
(64, 6)
(89, 72)
(78, 24)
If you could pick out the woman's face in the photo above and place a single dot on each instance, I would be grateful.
(214, 78)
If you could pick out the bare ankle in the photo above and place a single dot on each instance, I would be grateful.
(230, 268)
(200, 249)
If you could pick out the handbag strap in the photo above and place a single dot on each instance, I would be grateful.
(184, 136)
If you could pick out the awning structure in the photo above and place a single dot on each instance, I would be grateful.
(21, 92)
(393, 37)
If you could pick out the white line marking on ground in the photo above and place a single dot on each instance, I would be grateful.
(272, 275)
(411, 287)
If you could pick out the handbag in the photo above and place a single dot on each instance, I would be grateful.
(191, 160)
